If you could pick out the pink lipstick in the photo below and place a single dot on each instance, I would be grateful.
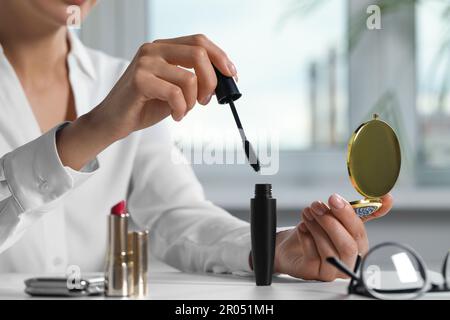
(120, 208)
(119, 269)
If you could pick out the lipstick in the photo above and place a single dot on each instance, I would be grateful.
(138, 249)
(119, 269)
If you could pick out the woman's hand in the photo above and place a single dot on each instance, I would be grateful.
(155, 85)
(326, 230)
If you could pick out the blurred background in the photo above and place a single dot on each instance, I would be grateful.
(311, 72)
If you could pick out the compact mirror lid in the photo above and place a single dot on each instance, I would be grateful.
(374, 158)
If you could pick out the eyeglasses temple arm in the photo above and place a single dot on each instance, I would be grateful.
(355, 271)
(342, 267)
(357, 263)
(444, 269)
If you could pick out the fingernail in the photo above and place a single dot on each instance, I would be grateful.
(318, 208)
(236, 78)
(337, 202)
(232, 68)
(307, 215)
(207, 99)
(177, 118)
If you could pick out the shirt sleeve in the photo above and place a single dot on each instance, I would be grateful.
(186, 231)
(31, 177)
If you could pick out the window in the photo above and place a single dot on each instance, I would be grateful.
(433, 98)
(293, 60)
(292, 67)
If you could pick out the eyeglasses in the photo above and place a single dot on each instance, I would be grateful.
(393, 271)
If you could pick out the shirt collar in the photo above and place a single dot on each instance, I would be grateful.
(79, 52)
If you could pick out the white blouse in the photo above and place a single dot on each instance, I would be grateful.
(52, 217)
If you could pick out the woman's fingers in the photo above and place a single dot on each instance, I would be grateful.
(335, 230)
(387, 202)
(307, 241)
(155, 88)
(309, 271)
(196, 58)
(155, 84)
(197, 52)
(346, 215)
(346, 246)
(217, 56)
(324, 245)
(182, 78)
(189, 57)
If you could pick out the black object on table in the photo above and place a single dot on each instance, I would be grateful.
(263, 222)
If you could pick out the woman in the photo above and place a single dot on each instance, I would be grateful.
(81, 130)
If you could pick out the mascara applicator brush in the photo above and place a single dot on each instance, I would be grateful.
(227, 92)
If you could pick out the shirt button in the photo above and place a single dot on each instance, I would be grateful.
(43, 185)
(57, 261)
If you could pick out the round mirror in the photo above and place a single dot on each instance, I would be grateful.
(374, 158)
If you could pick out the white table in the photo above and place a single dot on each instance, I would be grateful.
(167, 283)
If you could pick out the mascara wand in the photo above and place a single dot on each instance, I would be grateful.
(227, 92)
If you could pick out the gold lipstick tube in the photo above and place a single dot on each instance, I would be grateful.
(138, 241)
(119, 271)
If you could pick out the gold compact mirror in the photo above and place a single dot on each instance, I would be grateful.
(373, 163)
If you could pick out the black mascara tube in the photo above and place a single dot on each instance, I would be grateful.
(263, 222)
